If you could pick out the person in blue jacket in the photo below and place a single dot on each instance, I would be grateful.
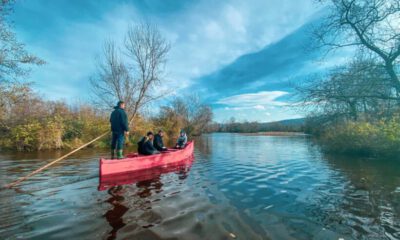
(119, 129)
(182, 140)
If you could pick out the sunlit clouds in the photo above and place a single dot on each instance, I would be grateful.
(205, 37)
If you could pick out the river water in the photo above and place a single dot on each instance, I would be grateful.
(238, 187)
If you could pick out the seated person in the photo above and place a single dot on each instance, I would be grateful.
(145, 145)
(158, 141)
(182, 140)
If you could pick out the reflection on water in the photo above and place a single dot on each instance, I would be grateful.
(114, 215)
(247, 187)
(181, 167)
(370, 203)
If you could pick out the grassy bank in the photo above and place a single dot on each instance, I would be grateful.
(363, 137)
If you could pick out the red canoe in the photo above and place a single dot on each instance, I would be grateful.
(135, 162)
(182, 168)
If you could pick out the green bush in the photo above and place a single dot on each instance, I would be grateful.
(50, 133)
(25, 136)
(381, 137)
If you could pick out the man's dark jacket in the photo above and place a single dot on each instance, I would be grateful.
(146, 147)
(119, 121)
(158, 142)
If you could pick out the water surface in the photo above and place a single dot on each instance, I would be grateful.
(243, 187)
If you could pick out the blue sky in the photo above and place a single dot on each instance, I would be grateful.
(239, 56)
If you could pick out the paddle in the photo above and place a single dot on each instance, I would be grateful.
(21, 179)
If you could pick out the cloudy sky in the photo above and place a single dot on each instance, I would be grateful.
(241, 57)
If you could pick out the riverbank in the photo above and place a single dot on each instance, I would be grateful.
(367, 138)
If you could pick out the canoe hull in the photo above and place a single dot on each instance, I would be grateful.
(135, 162)
(181, 168)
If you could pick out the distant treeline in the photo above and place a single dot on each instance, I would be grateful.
(292, 125)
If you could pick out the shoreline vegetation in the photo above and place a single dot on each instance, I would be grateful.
(367, 138)
(33, 124)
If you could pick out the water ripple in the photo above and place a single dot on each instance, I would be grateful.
(243, 187)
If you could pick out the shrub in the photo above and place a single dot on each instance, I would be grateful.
(50, 134)
(25, 136)
(381, 137)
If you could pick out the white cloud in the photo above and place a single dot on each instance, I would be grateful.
(213, 31)
(235, 19)
(257, 107)
(209, 36)
(261, 106)
(251, 114)
(255, 100)
(204, 37)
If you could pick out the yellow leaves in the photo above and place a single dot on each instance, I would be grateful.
(367, 137)
(25, 136)
(50, 135)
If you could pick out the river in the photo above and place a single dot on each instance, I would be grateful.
(238, 187)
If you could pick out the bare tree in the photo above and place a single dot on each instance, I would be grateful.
(196, 115)
(360, 89)
(145, 44)
(132, 72)
(14, 59)
(113, 81)
(371, 25)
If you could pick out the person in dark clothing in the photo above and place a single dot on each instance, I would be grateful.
(158, 141)
(145, 145)
(119, 128)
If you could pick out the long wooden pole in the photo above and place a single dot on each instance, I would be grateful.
(21, 179)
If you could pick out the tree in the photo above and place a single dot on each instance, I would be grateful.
(362, 88)
(187, 113)
(14, 59)
(371, 25)
(132, 73)
(196, 115)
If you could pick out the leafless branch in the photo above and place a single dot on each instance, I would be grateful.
(131, 74)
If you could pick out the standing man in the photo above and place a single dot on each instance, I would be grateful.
(119, 128)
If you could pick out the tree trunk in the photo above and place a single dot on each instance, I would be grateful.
(393, 76)
(353, 111)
